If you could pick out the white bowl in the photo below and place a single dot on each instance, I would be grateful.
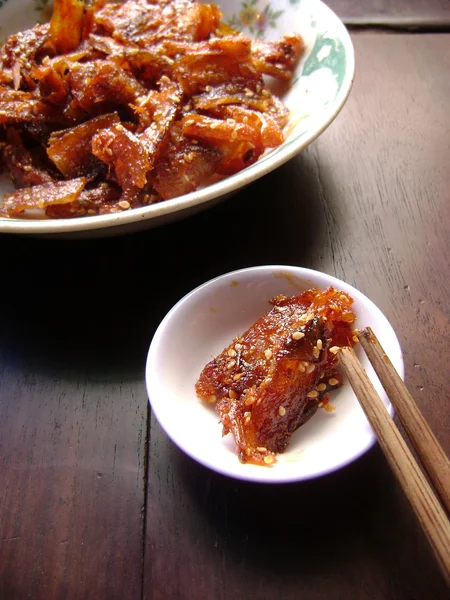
(319, 89)
(203, 323)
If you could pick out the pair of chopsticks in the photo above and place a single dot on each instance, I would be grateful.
(423, 498)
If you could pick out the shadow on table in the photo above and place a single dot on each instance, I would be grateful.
(346, 524)
(94, 304)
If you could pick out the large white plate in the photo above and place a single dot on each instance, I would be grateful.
(203, 323)
(319, 90)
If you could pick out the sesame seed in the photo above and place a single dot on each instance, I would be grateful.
(280, 308)
(298, 335)
(232, 394)
(312, 394)
(237, 347)
(309, 316)
(333, 381)
(268, 353)
(281, 411)
(319, 344)
(268, 459)
(124, 204)
(310, 368)
(231, 352)
(208, 88)
(355, 339)
(261, 449)
(119, 127)
(321, 387)
(247, 419)
(211, 398)
(301, 367)
(334, 349)
(265, 93)
(109, 151)
(343, 298)
(320, 404)
(91, 211)
(237, 376)
(215, 125)
(249, 94)
(231, 364)
(316, 352)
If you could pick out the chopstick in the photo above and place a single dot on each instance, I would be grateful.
(420, 494)
(432, 456)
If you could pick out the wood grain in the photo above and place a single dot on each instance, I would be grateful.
(367, 202)
(72, 434)
(385, 11)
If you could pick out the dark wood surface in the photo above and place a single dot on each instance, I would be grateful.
(415, 12)
(96, 502)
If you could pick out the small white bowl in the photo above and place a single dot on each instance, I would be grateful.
(203, 323)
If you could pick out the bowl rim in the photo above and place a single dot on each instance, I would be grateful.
(303, 273)
(215, 190)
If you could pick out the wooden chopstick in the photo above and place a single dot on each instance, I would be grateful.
(431, 454)
(424, 502)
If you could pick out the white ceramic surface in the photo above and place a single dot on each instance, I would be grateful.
(319, 89)
(203, 323)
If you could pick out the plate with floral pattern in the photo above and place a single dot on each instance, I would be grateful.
(315, 96)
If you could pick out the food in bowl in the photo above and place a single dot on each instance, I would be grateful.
(114, 106)
(273, 378)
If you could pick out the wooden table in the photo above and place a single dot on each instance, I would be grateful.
(96, 502)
